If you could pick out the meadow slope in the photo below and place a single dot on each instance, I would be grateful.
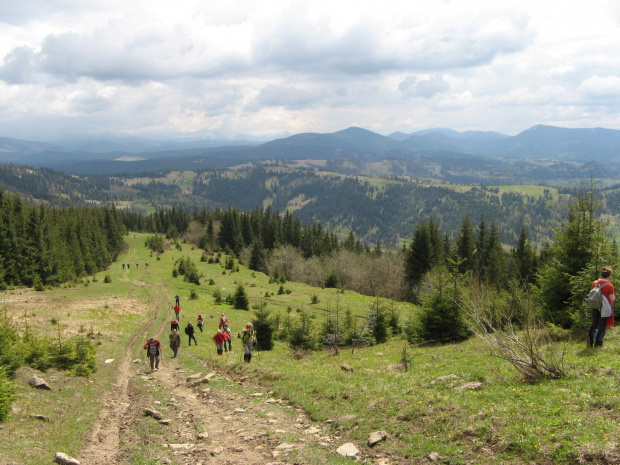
(282, 408)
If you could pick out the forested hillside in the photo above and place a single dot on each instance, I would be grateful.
(384, 207)
(41, 245)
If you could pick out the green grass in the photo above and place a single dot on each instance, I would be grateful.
(506, 421)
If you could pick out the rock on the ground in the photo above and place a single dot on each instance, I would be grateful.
(376, 437)
(153, 413)
(434, 457)
(40, 417)
(217, 451)
(194, 377)
(39, 383)
(166, 461)
(165, 422)
(396, 367)
(448, 378)
(346, 367)
(347, 418)
(473, 386)
(348, 450)
(202, 436)
(64, 459)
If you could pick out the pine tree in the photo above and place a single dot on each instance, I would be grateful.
(240, 299)
(465, 246)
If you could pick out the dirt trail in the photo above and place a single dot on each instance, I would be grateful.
(207, 424)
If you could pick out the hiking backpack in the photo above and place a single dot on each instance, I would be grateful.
(153, 349)
(595, 297)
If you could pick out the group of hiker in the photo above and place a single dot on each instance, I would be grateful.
(222, 338)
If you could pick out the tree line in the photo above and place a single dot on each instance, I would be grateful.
(41, 245)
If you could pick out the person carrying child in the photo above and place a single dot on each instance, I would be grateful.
(219, 340)
(153, 349)
(200, 323)
(175, 341)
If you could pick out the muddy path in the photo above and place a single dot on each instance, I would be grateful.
(222, 420)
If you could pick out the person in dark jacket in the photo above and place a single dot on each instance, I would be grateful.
(189, 330)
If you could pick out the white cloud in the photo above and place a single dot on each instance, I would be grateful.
(270, 66)
(427, 88)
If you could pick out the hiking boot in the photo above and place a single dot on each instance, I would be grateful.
(590, 342)
(598, 343)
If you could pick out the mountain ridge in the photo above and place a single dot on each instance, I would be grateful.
(537, 142)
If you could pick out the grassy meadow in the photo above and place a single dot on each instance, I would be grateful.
(506, 420)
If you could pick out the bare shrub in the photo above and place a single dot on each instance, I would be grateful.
(509, 325)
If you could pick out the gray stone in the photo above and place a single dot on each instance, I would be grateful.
(473, 386)
(376, 437)
(448, 378)
(434, 457)
(194, 377)
(39, 384)
(396, 367)
(217, 451)
(348, 450)
(64, 459)
(346, 367)
(153, 413)
(347, 418)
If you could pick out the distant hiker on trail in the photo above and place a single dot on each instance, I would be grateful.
(189, 330)
(147, 267)
(200, 323)
(223, 322)
(137, 265)
(153, 349)
(123, 265)
(219, 340)
(174, 324)
(602, 317)
(175, 341)
(177, 310)
(177, 300)
(248, 338)
(228, 335)
(128, 265)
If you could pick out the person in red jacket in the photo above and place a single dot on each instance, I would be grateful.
(601, 318)
(153, 350)
(177, 310)
(219, 340)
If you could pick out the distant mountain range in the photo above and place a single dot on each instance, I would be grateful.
(119, 153)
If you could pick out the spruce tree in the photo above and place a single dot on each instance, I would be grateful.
(240, 299)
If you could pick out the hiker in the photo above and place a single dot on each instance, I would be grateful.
(219, 341)
(175, 341)
(177, 299)
(174, 324)
(223, 322)
(200, 323)
(153, 348)
(177, 310)
(189, 330)
(603, 317)
(248, 338)
(228, 340)
(123, 265)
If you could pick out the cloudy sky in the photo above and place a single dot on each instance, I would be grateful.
(221, 68)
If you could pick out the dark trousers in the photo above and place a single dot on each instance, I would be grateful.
(191, 336)
(598, 326)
